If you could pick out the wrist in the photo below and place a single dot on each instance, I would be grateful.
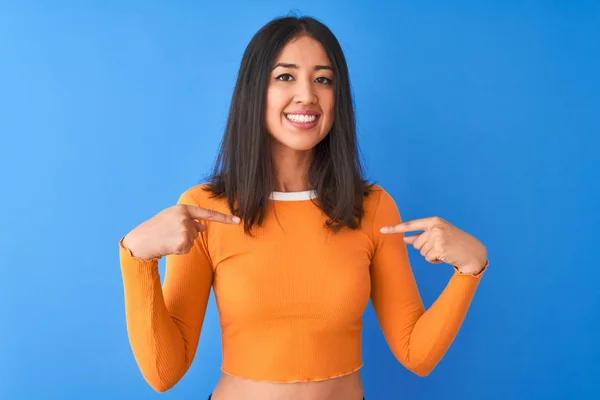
(474, 268)
(126, 242)
(129, 243)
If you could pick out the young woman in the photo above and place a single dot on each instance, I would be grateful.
(293, 241)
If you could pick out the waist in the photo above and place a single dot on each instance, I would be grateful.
(293, 356)
(348, 387)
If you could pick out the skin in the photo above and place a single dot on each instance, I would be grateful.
(293, 89)
(307, 89)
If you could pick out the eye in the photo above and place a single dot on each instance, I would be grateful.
(283, 75)
(324, 80)
(287, 78)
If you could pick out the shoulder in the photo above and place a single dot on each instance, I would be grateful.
(377, 196)
(380, 204)
(199, 195)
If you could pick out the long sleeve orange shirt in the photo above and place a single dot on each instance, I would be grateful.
(291, 299)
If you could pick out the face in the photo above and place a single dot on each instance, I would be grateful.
(300, 98)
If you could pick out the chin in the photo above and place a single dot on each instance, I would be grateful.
(300, 145)
(294, 142)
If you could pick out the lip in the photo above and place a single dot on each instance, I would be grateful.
(303, 125)
(302, 112)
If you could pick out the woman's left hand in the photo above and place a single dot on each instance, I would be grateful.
(443, 242)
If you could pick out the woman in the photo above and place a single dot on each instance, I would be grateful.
(293, 242)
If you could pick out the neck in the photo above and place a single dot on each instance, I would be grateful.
(291, 170)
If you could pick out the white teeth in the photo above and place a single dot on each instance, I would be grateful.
(301, 118)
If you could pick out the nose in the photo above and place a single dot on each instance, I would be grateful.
(305, 93)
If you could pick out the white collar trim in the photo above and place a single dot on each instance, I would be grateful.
(293, 196)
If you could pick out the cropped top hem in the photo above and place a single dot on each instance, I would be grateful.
(295, 380)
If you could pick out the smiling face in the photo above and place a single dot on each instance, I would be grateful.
(300, 98)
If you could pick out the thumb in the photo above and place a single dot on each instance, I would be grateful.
(410, 239)
(199, 226)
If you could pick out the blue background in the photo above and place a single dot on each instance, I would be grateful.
(483, 113)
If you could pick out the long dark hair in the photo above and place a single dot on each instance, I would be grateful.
(244, 173)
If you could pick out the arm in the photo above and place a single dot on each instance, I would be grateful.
(164, 324)
(418, 338)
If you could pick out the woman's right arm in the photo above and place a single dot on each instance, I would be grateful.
(164, 324)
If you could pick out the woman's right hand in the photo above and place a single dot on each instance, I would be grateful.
(171, 231)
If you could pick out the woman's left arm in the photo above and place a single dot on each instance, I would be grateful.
(419, 338)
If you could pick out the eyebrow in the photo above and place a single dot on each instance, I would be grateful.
(295, 66)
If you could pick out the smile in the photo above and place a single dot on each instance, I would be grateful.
(301, 117)
(302, 121)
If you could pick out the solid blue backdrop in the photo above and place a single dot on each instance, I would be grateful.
(484, 114)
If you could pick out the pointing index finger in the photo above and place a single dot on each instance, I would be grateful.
(409, 226)
(211, 215)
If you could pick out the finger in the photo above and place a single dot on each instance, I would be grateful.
(410, 239)
(409, 226)
(426, 248)
(206, 214)
(432, 256)
(200, 227)
(421, 240)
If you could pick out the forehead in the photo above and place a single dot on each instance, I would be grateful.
(303, 50)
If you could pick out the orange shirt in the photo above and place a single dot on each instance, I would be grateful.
(291, 299)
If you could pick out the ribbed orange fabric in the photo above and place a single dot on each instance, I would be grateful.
(291, 299)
